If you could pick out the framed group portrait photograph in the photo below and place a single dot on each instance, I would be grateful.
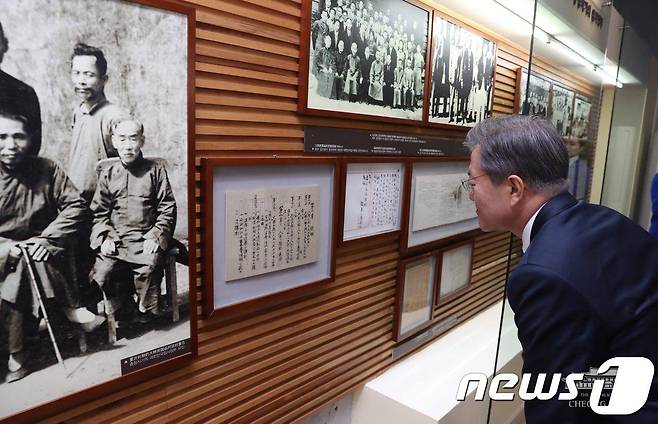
(581, 117)
(534, 95)
(96, 275)
(561, 111)
(462, 75)
(365, 60)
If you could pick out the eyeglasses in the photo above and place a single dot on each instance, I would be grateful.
(466, 184)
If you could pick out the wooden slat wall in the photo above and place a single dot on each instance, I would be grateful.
(281, 362)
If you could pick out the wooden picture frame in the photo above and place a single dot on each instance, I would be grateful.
(414, 240)
(418, 265)
(561, 106)
(167, 352)
(446, 25)
(368, 165)
(582, 113)
(320, 102)
(246, 175)
(442, 266)
(538, 84)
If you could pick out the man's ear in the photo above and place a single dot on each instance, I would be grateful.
(517, 189)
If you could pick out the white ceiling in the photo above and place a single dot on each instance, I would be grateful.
(512, 19)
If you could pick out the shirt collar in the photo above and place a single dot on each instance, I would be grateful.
(573, 160)
(527, 230)
(89, 110)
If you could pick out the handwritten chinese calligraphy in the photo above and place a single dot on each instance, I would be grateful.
(372, 199)
(270, 230)
(440, 200)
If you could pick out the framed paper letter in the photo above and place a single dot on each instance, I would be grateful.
(455, 263)
(270, 227)
(415, 293)
(439, 207)
(373, 197)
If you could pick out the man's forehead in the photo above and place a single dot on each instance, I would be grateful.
(81, 61)
(10, 124)
(127, 127)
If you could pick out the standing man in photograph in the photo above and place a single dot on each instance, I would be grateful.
(18, 96)
(586, 289)
(92, 119)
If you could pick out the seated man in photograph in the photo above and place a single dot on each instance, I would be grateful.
(40, 211)
(134, 217)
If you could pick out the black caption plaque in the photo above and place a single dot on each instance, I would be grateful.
(358, 142)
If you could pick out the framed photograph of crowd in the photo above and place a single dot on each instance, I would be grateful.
(462, 75)
(538, 94)
(270, 227)
(96, 116)
(581, 117)
(561, 110)
(364, 59)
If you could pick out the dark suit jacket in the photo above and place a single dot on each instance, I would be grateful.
(19, 98)
(585, 291)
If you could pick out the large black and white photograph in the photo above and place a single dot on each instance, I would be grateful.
(561, 110)
(581, 112)
(463, 66)
(94, 275)
(538, 93)
(368, 57)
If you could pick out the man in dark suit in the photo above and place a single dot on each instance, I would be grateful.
(586, 289)
(17, 96)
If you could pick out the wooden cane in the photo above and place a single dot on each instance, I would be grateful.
(42, 306)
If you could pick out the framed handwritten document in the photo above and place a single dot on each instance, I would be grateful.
(438, 206)
(455, 264)
(269, 227)
(415, 294)
(372, 199)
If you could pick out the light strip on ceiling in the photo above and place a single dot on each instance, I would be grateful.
(565, 49)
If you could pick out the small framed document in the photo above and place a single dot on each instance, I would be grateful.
(372, 198)
(269, 227)
(415, 294)
(455, 264)
(438, 207)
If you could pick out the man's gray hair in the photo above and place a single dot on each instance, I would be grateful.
(121, 120)
(526, 146)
